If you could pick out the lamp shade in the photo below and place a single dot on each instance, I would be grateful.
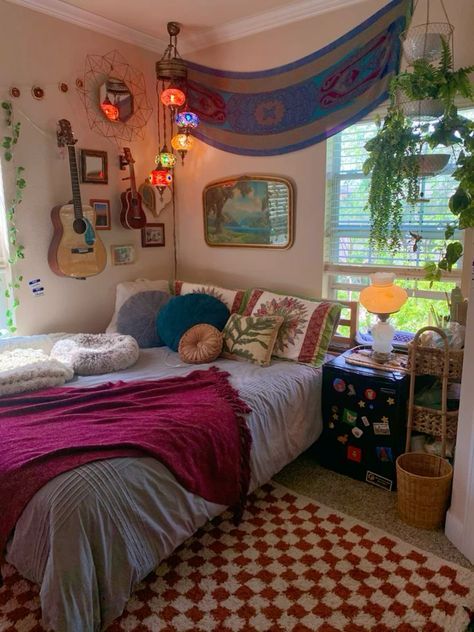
(160, 178)
(382, 296)
(187, 119)
(166, 159)
(173, 97)
(182, 142)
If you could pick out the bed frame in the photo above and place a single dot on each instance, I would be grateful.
(349, 317)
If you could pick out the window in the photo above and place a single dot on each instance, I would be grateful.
(349, 258)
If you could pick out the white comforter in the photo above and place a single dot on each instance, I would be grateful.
(91, 534)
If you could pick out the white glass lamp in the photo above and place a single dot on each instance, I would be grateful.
(383, 298)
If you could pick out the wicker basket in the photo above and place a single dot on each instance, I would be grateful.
(424, 489)
(430, 361)
(429, 421)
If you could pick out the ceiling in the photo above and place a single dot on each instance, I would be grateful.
(204, 22)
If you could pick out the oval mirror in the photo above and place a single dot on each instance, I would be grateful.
(115, 100)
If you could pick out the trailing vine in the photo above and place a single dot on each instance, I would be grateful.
(16, 250)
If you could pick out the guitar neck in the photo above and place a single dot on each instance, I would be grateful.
(133, 184)
(76, 191)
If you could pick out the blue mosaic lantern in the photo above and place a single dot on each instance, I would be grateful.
(187, 119)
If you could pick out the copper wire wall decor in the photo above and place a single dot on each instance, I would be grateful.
(106, 70)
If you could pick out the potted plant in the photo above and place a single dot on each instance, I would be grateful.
(429, 90)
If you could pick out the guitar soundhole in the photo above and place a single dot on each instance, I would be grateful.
(79, 226)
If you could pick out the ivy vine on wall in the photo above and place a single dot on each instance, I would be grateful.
(16, 250)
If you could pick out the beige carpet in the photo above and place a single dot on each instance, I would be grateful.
(366, 502)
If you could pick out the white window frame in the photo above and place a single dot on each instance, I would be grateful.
(332, 270)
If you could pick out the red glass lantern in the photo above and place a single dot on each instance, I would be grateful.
(110, 110)
(160, 178)
(173, 97)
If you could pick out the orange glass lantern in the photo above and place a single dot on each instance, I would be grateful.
(173, 97)
(160, 178)
(110, 110)
(182, 142)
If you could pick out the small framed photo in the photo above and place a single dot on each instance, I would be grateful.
(94, 166)
(153, 235)
(102, 214)
(122, 255)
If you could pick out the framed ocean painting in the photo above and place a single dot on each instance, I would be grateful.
(255, 211)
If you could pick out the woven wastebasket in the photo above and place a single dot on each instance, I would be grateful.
(424, 489)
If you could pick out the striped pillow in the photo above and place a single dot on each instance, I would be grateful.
(307, 325)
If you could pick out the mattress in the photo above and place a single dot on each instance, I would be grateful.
(91, 534)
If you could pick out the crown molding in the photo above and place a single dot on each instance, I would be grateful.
(244, 27)
(229, 31)
(86, 19)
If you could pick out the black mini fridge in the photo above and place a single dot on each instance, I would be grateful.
(364, 421)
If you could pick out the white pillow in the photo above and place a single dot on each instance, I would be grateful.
(127, 289)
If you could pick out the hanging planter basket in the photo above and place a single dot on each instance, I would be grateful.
(423, 110)
(430, 164)
(425, 41)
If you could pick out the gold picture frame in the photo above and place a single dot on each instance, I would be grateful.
(255, 211)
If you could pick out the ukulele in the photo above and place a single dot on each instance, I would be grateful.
(132, 214)
(75, 250)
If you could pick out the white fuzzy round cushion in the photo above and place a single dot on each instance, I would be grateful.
(94, 354)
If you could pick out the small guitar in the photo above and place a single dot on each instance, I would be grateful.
(75, 250)
(132, 214)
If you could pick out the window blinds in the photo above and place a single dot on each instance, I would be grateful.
(348, 222)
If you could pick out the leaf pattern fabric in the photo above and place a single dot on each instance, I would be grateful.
(251, 338)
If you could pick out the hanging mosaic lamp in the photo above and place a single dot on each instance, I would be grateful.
(173, 97)
(182, 143)
(165, 158)
(160, 178)
(187, 120)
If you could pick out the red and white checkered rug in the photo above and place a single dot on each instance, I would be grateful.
(291, 565)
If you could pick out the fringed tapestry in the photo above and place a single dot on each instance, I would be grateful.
(303, 102)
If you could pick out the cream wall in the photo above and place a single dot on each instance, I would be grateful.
(36, 49)
(300, 268)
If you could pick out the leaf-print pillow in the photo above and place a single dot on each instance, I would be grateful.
(250, 338)
(231, 298)
(307, 327)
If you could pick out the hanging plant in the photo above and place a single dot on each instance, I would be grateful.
(393, 153)
(16, 250)
(394, 169)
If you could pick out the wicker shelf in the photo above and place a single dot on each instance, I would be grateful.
(446, 364)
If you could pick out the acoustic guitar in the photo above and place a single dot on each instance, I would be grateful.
(132, 214)
(75, 249)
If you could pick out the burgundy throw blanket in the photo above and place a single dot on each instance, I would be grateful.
(193, 424)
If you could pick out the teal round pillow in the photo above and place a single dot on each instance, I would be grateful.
(183, 312)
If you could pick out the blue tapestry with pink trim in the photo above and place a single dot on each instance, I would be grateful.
(302, 103)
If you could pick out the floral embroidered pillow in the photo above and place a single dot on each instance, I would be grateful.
(307, 327)
(251, 338)
(231, 298)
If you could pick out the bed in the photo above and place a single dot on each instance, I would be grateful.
(91, 534)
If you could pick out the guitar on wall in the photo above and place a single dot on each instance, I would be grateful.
(132, 214)
(75, 249)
